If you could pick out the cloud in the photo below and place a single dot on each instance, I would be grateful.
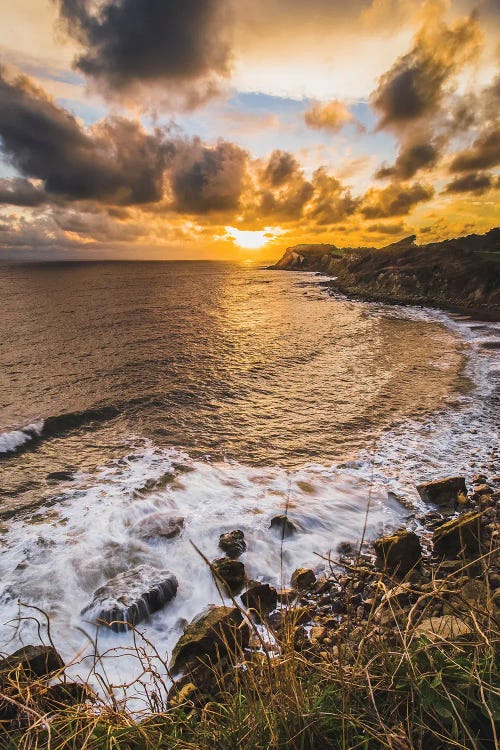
(394, 200)
(386, 228)
(116, 160)
(205, 179)
(470, 183)
(484, 153)
(330, 116)
(411, 158)
(284, 189)
(332, 202)
(182, 46)
(415, 85)
(20, 192)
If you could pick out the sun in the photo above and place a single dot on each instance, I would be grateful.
(251, 239)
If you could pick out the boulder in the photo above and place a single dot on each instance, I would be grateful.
(216, 632)
(284, 525)
(232, 573)
(448, 491)
(233, 543)
(158, 526)
(446, 626)
(398, 552)
(261, 597)
(130, 597)
(461, 534)
(33, 661)
(302, 578)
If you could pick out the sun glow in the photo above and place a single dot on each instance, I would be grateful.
(251, 239)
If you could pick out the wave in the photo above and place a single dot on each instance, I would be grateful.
(12, 440)
(26, 437)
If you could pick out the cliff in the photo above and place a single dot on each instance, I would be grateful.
(459, 274)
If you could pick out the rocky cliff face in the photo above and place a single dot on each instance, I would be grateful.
(461, 273)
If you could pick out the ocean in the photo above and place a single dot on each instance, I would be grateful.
(223, 393)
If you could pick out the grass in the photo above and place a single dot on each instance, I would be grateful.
(375, 686)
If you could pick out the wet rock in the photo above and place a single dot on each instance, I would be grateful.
(398, 552)
(233, 543)
(216, 632)
(287, 596)
(130, 597)
(483, 489)
(284, 525)
(61, 476)
(462, 534)
(158, 526)
(446, 626)
(261, 597)
(38, 661)
(302, 578)
(443, 491)
(479, 479)
(232, 573)
(345, 548)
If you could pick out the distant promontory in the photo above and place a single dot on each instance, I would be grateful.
(460, 274)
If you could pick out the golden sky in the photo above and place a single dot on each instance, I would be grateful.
(229, 130)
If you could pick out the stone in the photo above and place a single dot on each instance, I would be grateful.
(460, 534)
(287, 596)
(482, 489)
(479, 479)
(302, 578)
(231, 572)
(284, 525)
(233, 543)
(216, 632)
(317, 634)
(60, 476)
(446, 626)
(131, 597)
(398, 552)
(261, 597)
(38, 661)
(443, 491)
(158, 525)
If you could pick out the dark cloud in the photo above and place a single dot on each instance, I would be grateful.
(116, 161)
(284, 189)
(410, 160)
(470, 183)
(20, 192)
(484, 153)
(386, 228)
(416, 83)
(332, 202)
(394, 200)
(168, 42)
(207, 179)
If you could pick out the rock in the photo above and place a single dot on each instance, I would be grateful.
(261, 597)
(446, 626)
(38, 661)
(317, 634)
(479, 479)
(158, 525)
(483, 489)
(130, 597)
(302, 578)
(232, 573)
(443, 491)
(61, 476)
(287, 596)
(460, 534)
(284, 525)
(214, 633)
(398, 552)
(233, 543)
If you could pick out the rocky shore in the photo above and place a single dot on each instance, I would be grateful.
(435, 583)
(458, 274)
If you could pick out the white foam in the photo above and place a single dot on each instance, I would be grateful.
(12, 440)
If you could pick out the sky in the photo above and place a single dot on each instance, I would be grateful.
(228, 129)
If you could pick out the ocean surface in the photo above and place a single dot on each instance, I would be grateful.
(224, 394)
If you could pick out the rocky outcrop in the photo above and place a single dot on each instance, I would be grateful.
(448, 491)
(212, 634)
(458, 274)
(233, 543)
(131, 597)
(398, 552)
(158, 526)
